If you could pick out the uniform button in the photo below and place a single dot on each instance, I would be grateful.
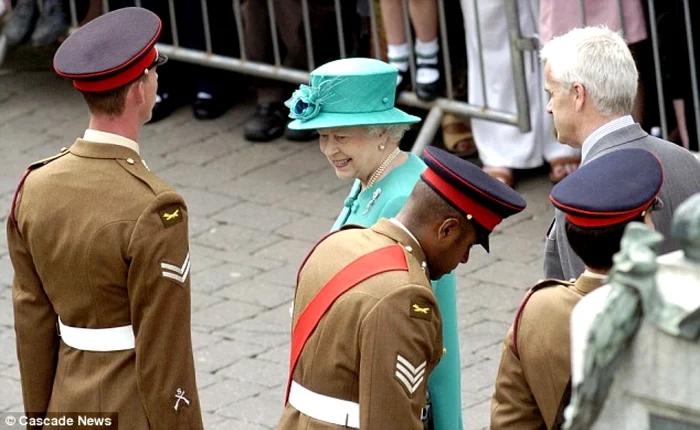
(130, 160)
(64, 149)
(408, 248)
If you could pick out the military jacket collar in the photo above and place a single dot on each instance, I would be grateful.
(88, 149)
(586, 284)
(396, 233)
(93, 135)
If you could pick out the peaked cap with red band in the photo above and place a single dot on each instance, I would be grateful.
(610, 190)
(110, 51)
(480, 198)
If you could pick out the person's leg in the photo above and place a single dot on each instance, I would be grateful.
(22, 22)
(444, 384)
(53, 22)
(397, 45)
(269, 120)
(425, 24)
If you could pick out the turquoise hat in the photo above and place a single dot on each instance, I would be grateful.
(346, 93)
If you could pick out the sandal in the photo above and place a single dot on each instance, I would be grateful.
(562, 167)
(457, 136)
(503, 174)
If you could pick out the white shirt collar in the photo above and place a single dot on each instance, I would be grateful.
(403, 227)
(110, 138)
(594, 275)
(603, 131)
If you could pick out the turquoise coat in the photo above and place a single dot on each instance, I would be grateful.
(384, 200)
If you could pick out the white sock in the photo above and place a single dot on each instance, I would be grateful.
(398, 57)
(427, 53)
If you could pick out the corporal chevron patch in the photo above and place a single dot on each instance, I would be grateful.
(178, 274)
(408, 375)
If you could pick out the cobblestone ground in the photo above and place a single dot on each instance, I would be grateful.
(255, 211)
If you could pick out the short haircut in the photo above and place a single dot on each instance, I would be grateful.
(596, 246)
(110, 102)
(599, 59)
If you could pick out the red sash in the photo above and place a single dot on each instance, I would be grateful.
(385, 259)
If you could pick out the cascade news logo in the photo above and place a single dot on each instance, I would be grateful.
(63, 419)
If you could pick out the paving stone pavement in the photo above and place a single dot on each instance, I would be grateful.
(255, 211)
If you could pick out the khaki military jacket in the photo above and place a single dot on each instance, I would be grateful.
(531, 383)
(357, 349)
(100, 241)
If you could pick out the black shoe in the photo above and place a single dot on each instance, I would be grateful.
(165, 105)
(300, 135)
(268, 122)
(52, 23)
(206, 106)
(431, 91)
(22, 21)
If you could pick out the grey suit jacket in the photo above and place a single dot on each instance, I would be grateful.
(681, 180)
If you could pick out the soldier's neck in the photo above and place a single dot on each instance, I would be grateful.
(115, 125)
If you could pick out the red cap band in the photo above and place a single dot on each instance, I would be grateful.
(487, 219)
(589, 219)
(123, 77)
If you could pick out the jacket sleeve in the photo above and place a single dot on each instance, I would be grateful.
(513, 405)
(159, 295)
(35, 326)
(399, 347)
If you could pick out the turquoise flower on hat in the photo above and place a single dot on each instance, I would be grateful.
(304, 104)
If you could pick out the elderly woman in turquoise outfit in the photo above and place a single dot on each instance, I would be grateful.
(361, 142)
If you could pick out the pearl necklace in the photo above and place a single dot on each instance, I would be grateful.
(382, 167)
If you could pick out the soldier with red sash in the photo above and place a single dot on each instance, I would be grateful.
(366, 329)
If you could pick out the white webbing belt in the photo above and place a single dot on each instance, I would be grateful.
(324, 408)
(97, 339)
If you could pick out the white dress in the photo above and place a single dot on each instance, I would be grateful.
(504, 145)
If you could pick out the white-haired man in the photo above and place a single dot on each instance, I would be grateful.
(591, 78)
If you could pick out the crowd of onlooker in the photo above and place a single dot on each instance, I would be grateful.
(503, 149)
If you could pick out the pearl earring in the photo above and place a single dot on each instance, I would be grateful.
(382, 146)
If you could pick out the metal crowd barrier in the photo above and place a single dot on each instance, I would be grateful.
(520, 118)
(691, 60)
(431, 124)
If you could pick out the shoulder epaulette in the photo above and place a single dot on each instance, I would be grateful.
(138, 170)
(47, 160)
(538, 286)
(35, 165)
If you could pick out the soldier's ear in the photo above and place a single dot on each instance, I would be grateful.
(449, 230)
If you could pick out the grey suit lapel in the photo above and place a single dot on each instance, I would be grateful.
(614, 139)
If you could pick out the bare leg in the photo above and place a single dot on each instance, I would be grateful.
(424, 18)
(392, 17)
(679, 109)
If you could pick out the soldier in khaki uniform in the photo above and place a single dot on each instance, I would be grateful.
(533, 385)
(100, 250)
(370, 349)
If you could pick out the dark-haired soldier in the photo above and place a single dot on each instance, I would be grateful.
(598, 201)
(367, 330)
(99, 246)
